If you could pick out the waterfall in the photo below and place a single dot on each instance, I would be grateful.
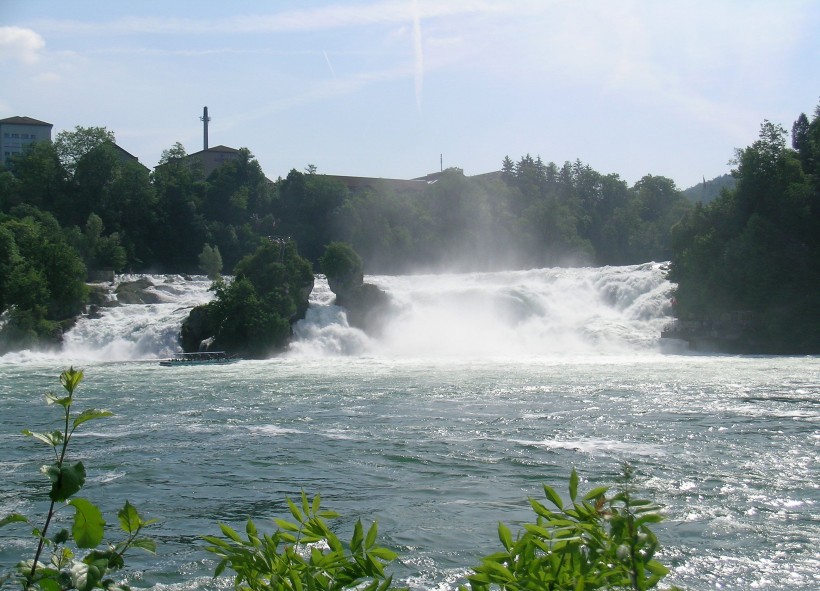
(138, 331)
(556, 311)
(601, 310)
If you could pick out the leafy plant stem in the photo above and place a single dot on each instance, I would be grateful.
(61, 457)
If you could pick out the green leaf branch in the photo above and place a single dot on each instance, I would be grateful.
(302, 554)
(594, 542)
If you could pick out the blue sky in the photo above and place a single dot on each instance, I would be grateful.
(383, 88)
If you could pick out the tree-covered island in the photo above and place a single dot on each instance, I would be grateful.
(745, 263)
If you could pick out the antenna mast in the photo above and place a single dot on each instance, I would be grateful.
(205, 120)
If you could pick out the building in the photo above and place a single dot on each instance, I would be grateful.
(125, 156)
(18, 132)
(210, 159)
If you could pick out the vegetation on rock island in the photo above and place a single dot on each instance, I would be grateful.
(598, 540)
(342, 266)
(252, 314)
(366, 305)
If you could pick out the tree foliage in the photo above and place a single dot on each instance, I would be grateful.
(73, 146)
(342, 266)
(210, 261)
(749, 263)
(303, 554)
(252, 314)
(533, 213)
(594, 542)
(42, 279)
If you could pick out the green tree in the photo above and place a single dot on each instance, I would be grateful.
(210, 261)
(754, 252)
(37, 179)
(71, 146)
(342, 266)
(306, 206)
(134, 213)
(43, 278)
(182, 226)
(801, 140)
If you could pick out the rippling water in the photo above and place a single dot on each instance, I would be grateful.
(481, 388)
(440, 451)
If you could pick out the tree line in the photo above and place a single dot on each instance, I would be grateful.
(747, 265)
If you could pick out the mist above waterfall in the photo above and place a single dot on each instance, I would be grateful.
(554, 311)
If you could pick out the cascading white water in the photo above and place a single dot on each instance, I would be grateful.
(503, 314)
(139, 331)
(557, 311)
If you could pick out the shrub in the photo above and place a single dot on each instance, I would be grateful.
(304, 554)
(594, 543)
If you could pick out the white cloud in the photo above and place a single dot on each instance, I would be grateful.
(20, 44)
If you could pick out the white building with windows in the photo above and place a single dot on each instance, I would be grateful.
(18, 132)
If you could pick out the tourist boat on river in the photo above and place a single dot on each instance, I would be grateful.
(200, 358)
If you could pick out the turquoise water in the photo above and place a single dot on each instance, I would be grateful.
(438, 452)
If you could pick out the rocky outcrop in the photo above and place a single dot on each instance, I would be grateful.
(366, 305)
(137, 292)
(196, 329)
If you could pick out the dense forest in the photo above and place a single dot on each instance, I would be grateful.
(76, 206)
(748, 264)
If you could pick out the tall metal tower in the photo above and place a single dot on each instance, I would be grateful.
(205, 120)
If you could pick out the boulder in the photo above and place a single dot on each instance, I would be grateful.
(136, 292)
(367, 307)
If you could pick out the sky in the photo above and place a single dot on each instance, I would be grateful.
(400, 88)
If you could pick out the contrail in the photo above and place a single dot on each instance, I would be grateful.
(329, 65)
(418, 53)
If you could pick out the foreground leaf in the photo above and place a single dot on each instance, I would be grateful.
(129, 518)
(88, 524)
(91, 414)
(66, 480)
(13, 518)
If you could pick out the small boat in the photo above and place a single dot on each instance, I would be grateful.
(201, 358)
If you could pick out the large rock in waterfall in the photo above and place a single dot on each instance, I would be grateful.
(137, 292)
(366, 305)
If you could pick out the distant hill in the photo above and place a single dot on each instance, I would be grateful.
(707, 191)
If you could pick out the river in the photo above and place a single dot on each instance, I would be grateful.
(482, 388)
